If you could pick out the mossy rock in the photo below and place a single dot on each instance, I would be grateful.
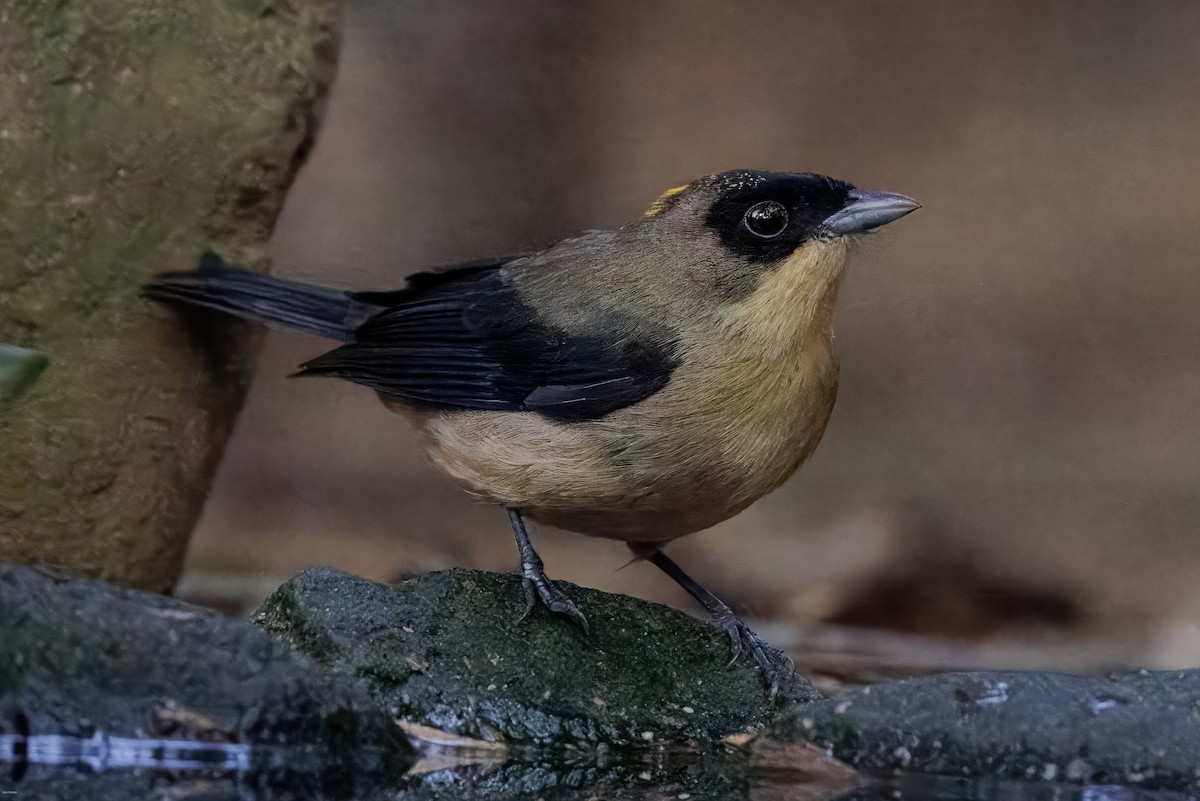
(451, 650)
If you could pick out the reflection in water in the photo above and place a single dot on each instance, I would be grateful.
(101, 752)
(941, 788)
(106, 768)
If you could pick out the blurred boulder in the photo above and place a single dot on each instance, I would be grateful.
(134, 137)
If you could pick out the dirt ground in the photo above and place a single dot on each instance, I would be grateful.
(1012, 474)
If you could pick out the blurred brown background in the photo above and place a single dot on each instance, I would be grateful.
(1015, 457)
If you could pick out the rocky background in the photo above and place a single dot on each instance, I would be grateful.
(1012, 463)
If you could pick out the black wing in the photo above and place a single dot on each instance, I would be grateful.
(464, 339)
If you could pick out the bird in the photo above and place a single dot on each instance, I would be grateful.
(637, 384)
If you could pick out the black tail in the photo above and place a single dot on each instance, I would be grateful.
(329, 313)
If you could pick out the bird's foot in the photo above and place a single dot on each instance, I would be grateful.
(553, 595)
(777, 667)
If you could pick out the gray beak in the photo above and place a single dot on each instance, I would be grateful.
(866, 211)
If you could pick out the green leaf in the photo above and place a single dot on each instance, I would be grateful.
(19, 368)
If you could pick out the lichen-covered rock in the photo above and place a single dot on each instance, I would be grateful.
(80, 658)
(450, 650)
(1139, 729)
(133, 136)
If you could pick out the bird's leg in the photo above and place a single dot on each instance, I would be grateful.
(538, 587)
(777, 668)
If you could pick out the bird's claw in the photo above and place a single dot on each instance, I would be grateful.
(553, 595)
(776, 666)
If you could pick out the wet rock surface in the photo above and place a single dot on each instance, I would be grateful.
(130, 694)
(450, 650)
(1137, 729)
(83, 661)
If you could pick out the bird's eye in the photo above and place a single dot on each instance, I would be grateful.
(767, 219)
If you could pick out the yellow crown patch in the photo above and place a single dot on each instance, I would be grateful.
(660, 205)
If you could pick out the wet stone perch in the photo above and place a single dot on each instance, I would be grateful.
(1137, 729)
(449, 650)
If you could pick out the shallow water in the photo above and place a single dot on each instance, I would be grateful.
(103, 768)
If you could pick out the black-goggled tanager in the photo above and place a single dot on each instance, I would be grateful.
(637, 384)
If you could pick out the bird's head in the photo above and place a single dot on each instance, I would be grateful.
(742, 225)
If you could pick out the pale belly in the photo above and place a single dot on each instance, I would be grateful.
(649, 473)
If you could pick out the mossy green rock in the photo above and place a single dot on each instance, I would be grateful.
(133, 136)
(450, 650)
(80, 658)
